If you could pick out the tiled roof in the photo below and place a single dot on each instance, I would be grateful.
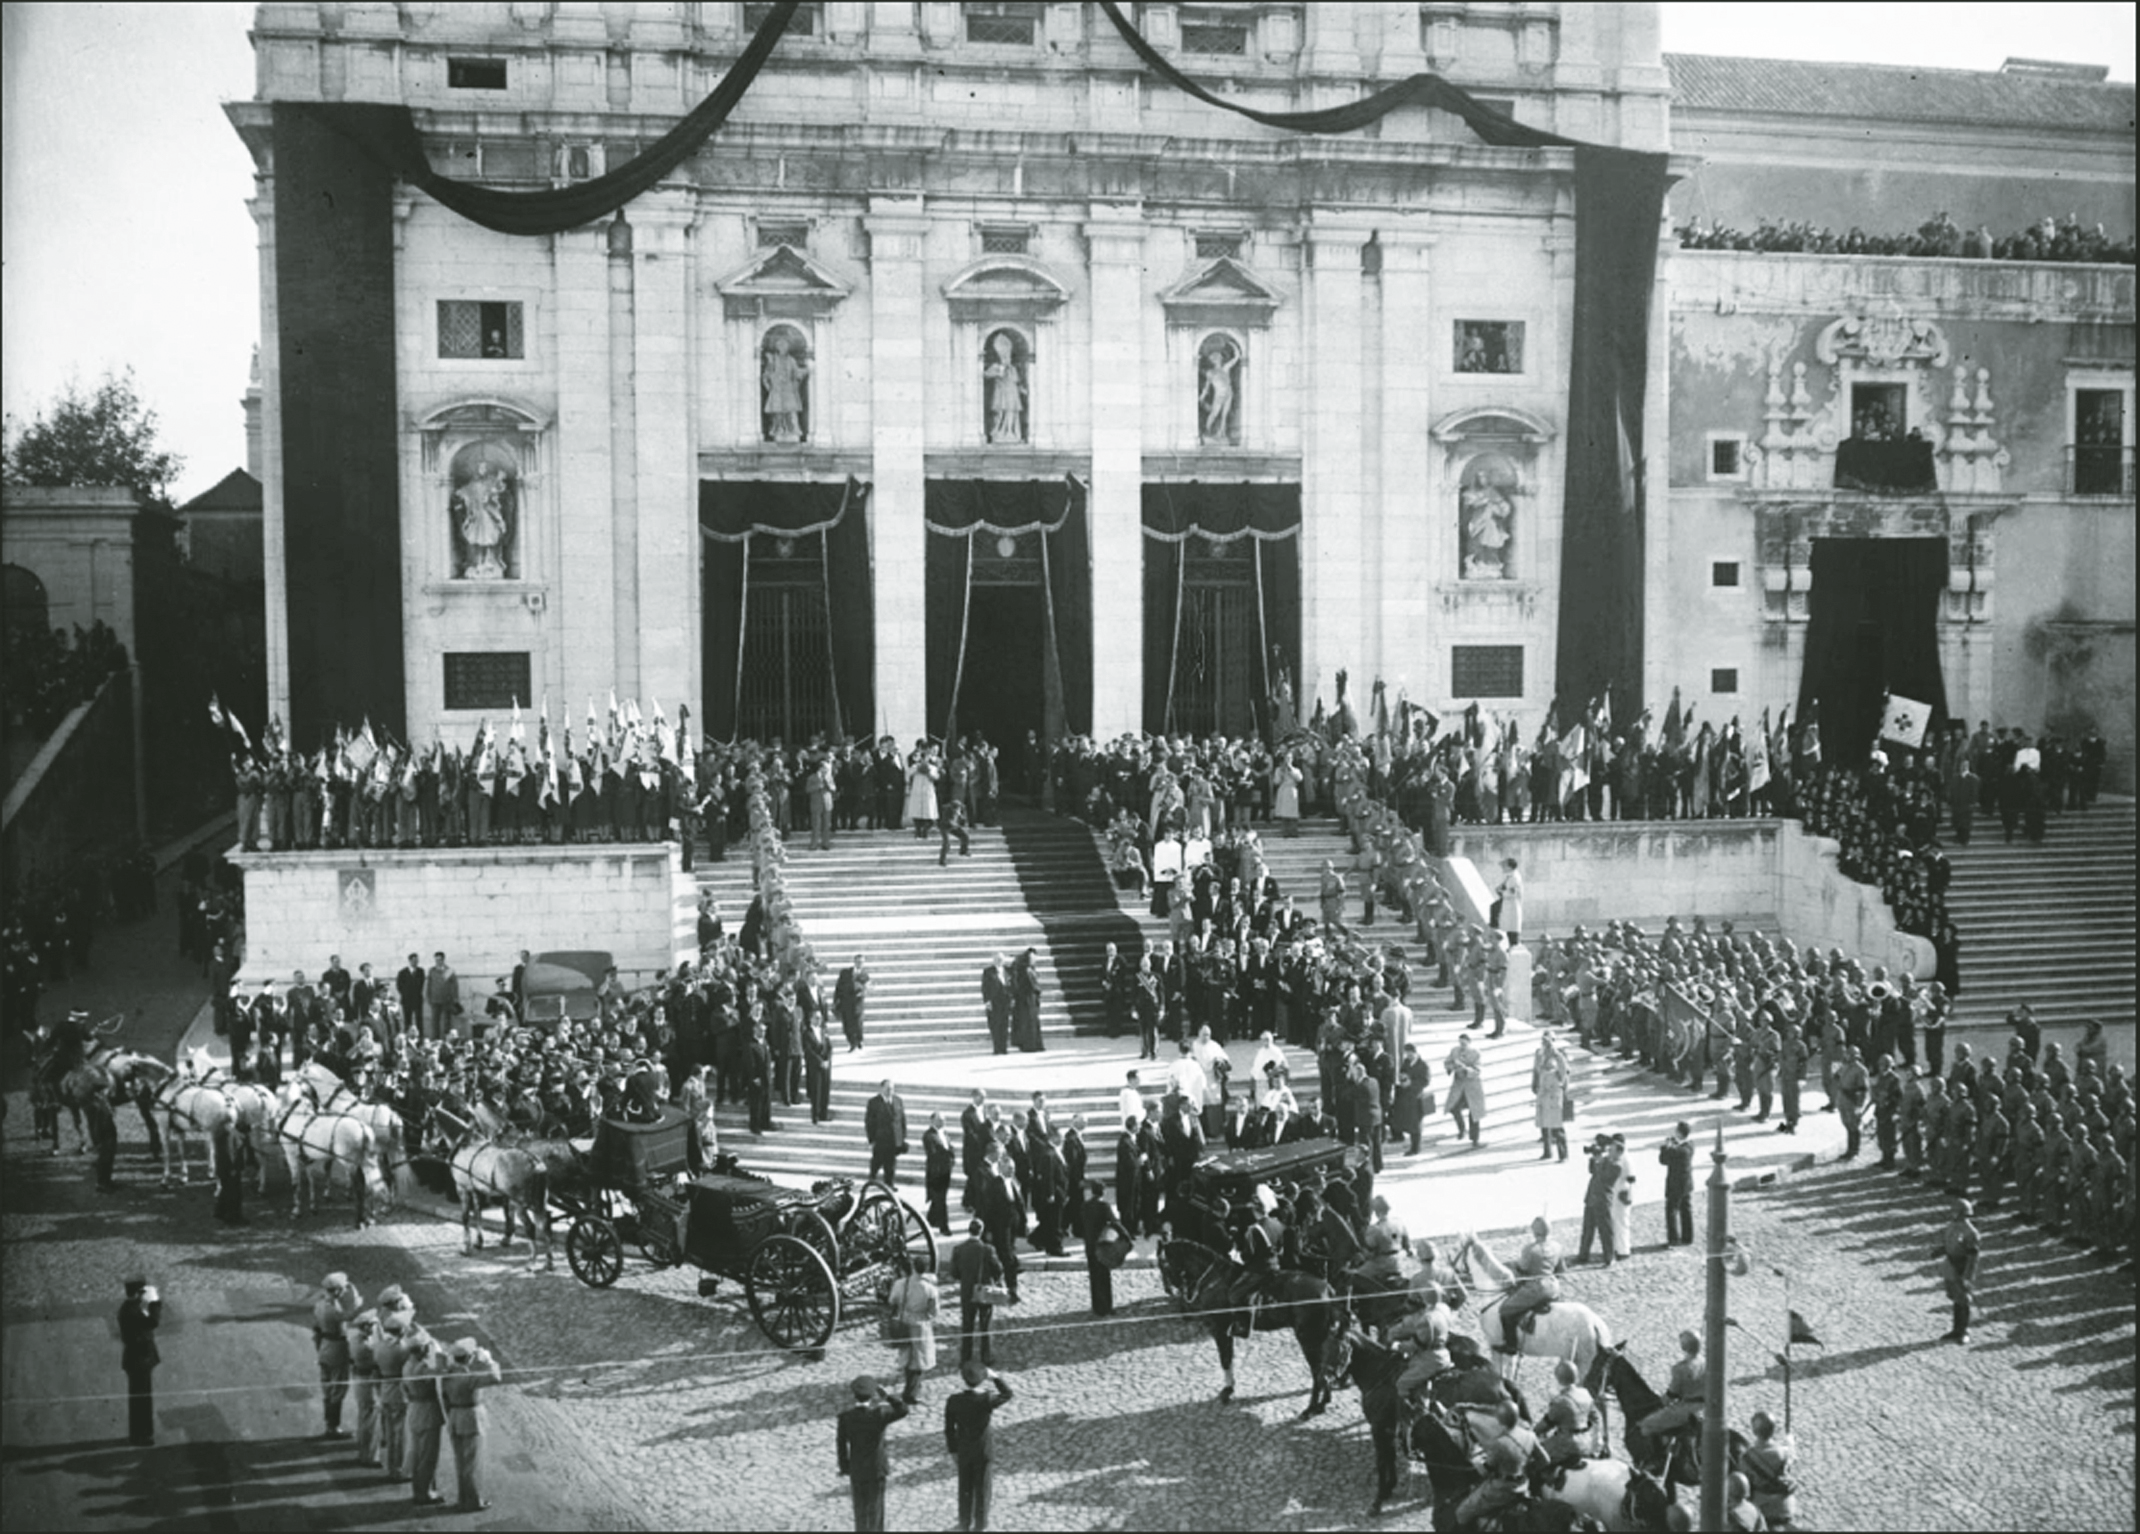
(235, 491)
(1705, 82)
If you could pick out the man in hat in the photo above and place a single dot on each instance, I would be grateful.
(1538, 1268)
(860, 1445)
(358, 1334)
(138, 1319)
(103, 1138)
(1958, 1249)
(331, 1314)
(885, 1121)
(468, 1370)
(426, 1415)
(967, 1415)
(391, 1352)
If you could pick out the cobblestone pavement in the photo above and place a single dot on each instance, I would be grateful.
(647, 1406)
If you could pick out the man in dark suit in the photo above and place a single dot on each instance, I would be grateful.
(974, 1263)
(976, 1138)
(967, 1415)
(849, 994)
(936, 1173)
(996, 995)
(1130, 1175)
(758, 1081)
(138, 1318)
(1050, 1186)
(861, 1449)
(409, 985)
(1000, 1203)
(886, 1122)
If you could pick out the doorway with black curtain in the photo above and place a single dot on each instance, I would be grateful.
(1872, 629)
(1004, 691)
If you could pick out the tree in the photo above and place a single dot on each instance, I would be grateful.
(104, 437)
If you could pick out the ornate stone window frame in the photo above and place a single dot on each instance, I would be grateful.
(441, 434)
(1523, 439)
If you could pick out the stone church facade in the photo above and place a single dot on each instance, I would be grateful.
(972, 373)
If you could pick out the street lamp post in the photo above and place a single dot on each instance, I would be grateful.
(1713, 1403)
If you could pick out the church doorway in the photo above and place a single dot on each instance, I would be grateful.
(1872, 628)
(1005, 689)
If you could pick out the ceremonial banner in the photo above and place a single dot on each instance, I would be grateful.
(1906, 721)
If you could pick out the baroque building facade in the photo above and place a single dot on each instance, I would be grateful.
(971, 374)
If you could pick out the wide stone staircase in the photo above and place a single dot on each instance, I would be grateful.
(2051, 925)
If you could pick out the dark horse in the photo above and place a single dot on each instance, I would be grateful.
(1675, 1459)
(1298, 1302)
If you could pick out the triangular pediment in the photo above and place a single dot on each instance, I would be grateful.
(1004, 288)
(1223, 292)
(783, 282)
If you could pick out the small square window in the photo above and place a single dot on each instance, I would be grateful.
(1725, 457)
(1214, 243)
(792, 232)
(475, 74)
(1004, 22)
(473, 329)
(1214, 35)
(1005, 239)
(1724, 679)
(487, 679)
(806, 22)
(1486, 671)
(1879, 412)
(1489, 346)
(1505, 105)
(1723, 572)
(2101, 460)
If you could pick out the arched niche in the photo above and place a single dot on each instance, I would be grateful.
(482, 462)
(1007, 386)
(785, 366)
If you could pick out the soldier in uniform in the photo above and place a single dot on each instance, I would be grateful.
(1743, 1050)
(331, 1314)
(426, 1416)
(2081, 1167)
(1959, 1142)
(1767, 1048)
(358, 1334)
(1957, 1252)
(469, 1369)
(1888, 1093)
(1915, 1100)
(2028, 1161)
(391, 1352)
(1790, 1075)
(1994, 1136)
(1850, 1088)
(2051, 1179)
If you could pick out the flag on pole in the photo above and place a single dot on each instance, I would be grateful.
(1575, 750)
(685, 762)
(1675, 723)
(546, 763)
(486, 757)
(664, 737)
(1905, 721)
(519, 731)
(1809, 733)
(1757, 771)
(364, 748)
(1801, 1333)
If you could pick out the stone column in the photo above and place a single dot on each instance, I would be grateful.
(1114, 236)
(1402, 553)
(274, 543)
(1332, 549)
(665, 442)
(581, 565)
(897, 432)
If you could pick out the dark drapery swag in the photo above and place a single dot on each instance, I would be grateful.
(1173, 514)
(1619, 202)
(955, 512)
(1872, 629)
(731, 515)
(334, 280)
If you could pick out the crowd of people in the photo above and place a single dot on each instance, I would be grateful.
(45, 673)
(2048, 239)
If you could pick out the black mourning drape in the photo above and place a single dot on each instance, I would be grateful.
(958, 510)
(732, 514)
(1872, 629)
(1175, 513)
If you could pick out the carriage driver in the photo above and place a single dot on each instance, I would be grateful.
(1538, 1266)
(1259, 1263)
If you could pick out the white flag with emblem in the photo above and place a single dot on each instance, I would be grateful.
(1906, 720)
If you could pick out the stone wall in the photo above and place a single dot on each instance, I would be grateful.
(1769, 872)
(481, 905)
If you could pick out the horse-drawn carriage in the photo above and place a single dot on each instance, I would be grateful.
(799, 1255)
(1235, 1177)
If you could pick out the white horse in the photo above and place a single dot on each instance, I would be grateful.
(323, 1143)
(330, 1094)
(1615, 1493)
(1569, 1330)
(195, 1103)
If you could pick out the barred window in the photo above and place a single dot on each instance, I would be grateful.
(470, 328)
(1214, 35)
(475, 74)
(808, 20)
(1214, 243)
(1005, 239)
(1007, 22)
(787, 231)
(1486, 671)
(489, 679)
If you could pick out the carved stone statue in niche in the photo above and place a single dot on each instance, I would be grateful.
(1003, 373)
(1486, 515)
(783, 375)
(485, 512)
(1218, 393)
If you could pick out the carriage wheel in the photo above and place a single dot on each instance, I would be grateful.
(793, 1296)
(885, 1226)
(595, 1251)
(814, 1231)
